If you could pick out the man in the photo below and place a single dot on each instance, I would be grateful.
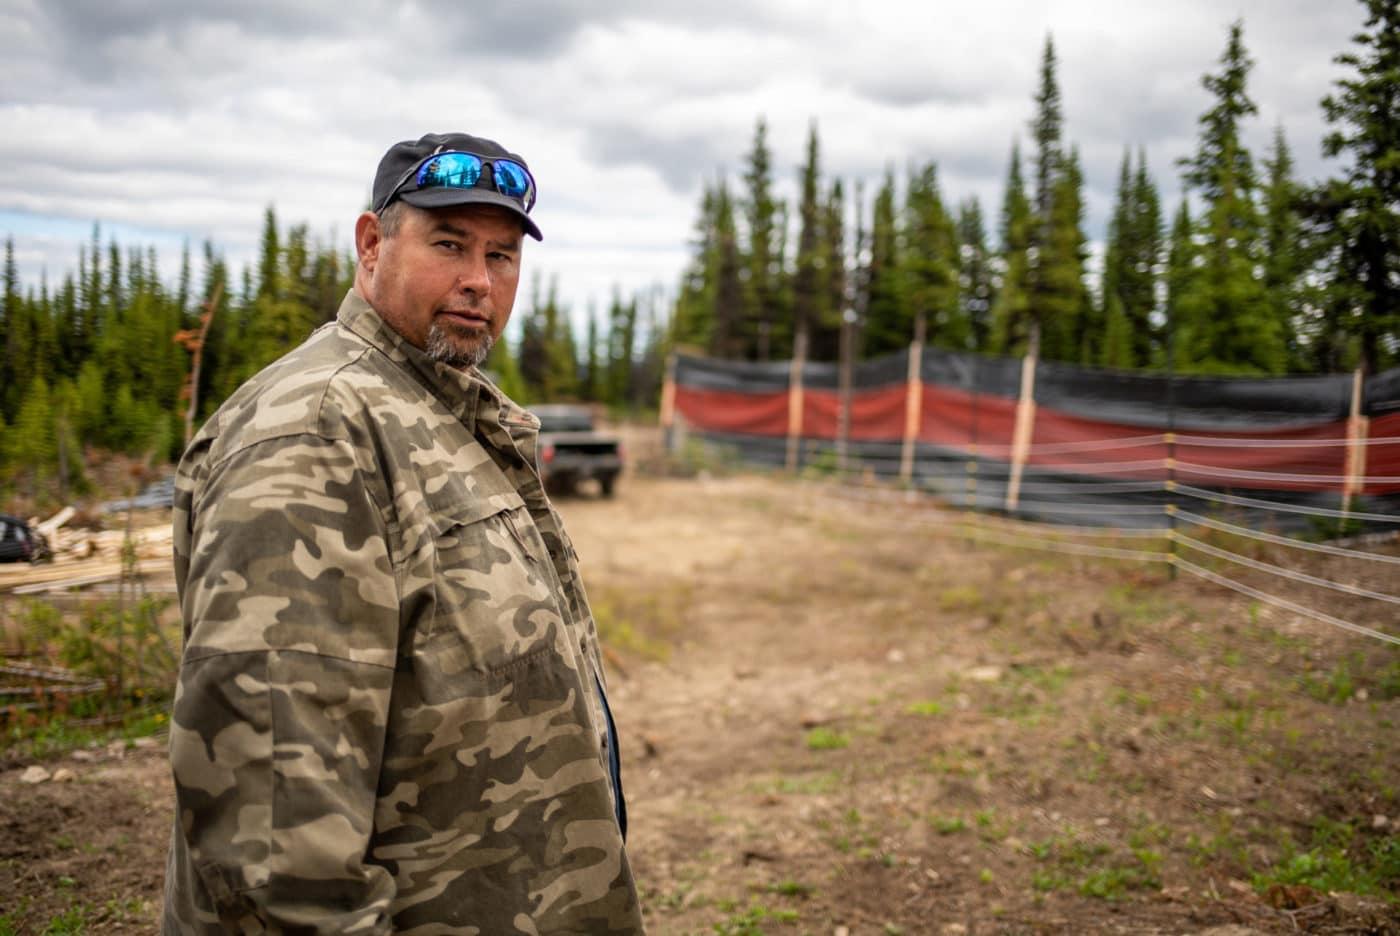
(391, 711)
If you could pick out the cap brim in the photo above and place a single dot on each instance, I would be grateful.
(449, 197)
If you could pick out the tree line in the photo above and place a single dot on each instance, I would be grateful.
(103, 360)
(1256, 273)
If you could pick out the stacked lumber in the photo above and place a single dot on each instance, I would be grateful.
(85, 557)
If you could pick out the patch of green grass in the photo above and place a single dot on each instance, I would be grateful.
(954, 762)
(1338, 860)
(824, 739)
(791, 889)
(71, 922)
(926, 708)
(1334, 687)
(947, 825)
(1221, 844)
(988, 829)
(640, 622)
(1093, 870)
(1139, 702)
(750, 922)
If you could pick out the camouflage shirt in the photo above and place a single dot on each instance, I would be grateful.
(390, 714)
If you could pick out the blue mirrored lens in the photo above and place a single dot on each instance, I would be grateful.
(511, 178)
(450, 170)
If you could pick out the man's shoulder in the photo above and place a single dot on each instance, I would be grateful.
(315, 389)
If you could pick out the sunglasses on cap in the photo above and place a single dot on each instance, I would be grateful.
(455, 169)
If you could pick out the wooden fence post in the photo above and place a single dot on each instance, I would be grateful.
(1358, 427)
(913, 409)
(668, 400)
(794, 439)
(1025, 422)
(844, 381)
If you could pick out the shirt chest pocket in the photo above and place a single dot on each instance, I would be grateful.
(494, 603)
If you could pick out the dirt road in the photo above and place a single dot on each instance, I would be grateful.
(843, 717)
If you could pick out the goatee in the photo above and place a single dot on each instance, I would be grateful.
(462, 350)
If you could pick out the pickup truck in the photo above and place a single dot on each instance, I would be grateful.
(20, 543)
(571, 451)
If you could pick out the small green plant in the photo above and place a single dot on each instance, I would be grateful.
(640, 622)
(749, 923)
(791, 889)
(1337, 861)
(824, 739)
(926, 708)
(1335, 688)
(947, 825)
(71, 922)
(1092, 869)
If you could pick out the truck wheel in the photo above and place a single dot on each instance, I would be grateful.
(606, 483)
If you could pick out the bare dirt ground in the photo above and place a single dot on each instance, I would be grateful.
(840, 716)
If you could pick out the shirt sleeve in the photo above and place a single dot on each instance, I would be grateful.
(292, 615)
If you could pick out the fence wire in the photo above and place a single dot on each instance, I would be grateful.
(1056, 538)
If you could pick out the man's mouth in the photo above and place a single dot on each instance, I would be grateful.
(464, 318)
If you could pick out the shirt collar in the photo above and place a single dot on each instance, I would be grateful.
(468, 394)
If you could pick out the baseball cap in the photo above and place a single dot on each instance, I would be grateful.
(397, 177)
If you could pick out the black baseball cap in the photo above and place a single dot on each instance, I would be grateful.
(395, 177)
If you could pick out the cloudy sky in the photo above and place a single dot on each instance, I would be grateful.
(176, 120)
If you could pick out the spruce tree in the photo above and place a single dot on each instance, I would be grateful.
(1362, 204)
(1011, 309)
(1132, 259)
(888, 325)
(763, 328)
(825, 341)
(1143, 254)
(1230, 325)
(929, 264)
(727, 338)
(693, 319)
(976, 277)
(1182, 292)
(9, 319)
(1114, 261)
(1047, 130)
(591, 389)
(1284, 250)
(532, 356)
(809, 297)
(1060, 298)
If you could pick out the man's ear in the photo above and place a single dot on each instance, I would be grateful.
(369, 236)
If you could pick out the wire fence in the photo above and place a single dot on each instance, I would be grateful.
(1203, 529)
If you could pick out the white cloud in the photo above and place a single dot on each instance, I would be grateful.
(174, 121)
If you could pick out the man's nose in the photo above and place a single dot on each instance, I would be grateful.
(473, 275)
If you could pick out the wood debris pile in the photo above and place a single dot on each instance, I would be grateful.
(86, 557)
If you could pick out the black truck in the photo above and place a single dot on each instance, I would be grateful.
(21, 543)
(571, 451)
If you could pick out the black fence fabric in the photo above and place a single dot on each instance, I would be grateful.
(1098, 446)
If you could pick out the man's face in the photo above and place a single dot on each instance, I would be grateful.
(445, 280)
